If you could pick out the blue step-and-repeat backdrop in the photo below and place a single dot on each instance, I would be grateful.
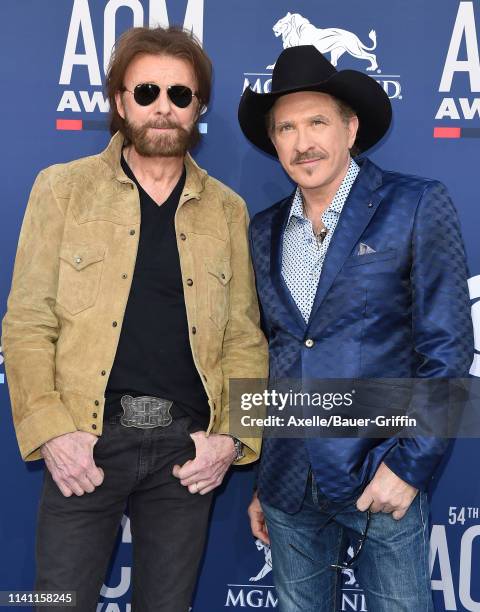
(425, 53)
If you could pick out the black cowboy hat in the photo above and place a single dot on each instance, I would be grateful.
(304, 68)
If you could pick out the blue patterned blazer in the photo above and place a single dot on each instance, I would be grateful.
(400, 312)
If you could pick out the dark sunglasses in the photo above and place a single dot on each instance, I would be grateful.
(344, 565)
(356, 551)
(146, 93)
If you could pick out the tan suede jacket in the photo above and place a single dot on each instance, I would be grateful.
(71, 281)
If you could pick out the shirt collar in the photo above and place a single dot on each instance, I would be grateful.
(196, 176)
(336, 205)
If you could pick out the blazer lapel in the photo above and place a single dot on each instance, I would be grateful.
(279, 222)
(361, 204)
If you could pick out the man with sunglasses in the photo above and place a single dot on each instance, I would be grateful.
(132, 305)
(361, 276)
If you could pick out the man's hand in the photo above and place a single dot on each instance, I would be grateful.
(69, 458)
(213, 456)
(388, 493)
(257, 520)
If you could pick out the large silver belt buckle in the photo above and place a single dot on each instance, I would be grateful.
(145, 412)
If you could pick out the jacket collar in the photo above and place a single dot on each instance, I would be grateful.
(360, 207)
(358, 210)
(194, 182)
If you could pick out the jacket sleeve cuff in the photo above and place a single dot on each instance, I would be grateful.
(41, 426)
(414, 460)
(252, 445)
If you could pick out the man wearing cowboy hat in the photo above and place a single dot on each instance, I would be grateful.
(361, 274)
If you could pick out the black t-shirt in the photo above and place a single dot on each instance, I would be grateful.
(154, 355)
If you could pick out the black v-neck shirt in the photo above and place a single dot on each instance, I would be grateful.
(154, 355)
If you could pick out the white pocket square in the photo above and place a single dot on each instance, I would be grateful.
(364, 249)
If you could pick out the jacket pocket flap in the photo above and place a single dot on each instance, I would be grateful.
(80, 256)
(221, 269)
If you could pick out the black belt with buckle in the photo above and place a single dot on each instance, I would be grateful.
(145, 412)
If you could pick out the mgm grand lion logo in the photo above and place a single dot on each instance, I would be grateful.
(267, 566)
(296, 30)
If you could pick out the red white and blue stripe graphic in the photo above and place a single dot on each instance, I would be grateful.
(456, 132)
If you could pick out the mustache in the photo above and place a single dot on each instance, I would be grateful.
(162, 125)
(300, 157)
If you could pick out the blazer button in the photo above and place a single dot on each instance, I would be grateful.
(183, 237)
(114, 324)
(189, 282)
(94, 426)
(97, 403)
(94, 415)
(103, 372)
(132, 232)
(194, 330)
(309, 343)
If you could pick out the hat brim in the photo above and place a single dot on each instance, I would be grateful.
(361, 92)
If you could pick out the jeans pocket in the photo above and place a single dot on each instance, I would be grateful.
(180, 428)
(424, 508)
(105, 441)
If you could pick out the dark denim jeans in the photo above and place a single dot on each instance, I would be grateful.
(76, 535)
(392, 567)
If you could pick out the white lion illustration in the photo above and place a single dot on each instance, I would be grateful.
(267, 567)
(297, 30)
